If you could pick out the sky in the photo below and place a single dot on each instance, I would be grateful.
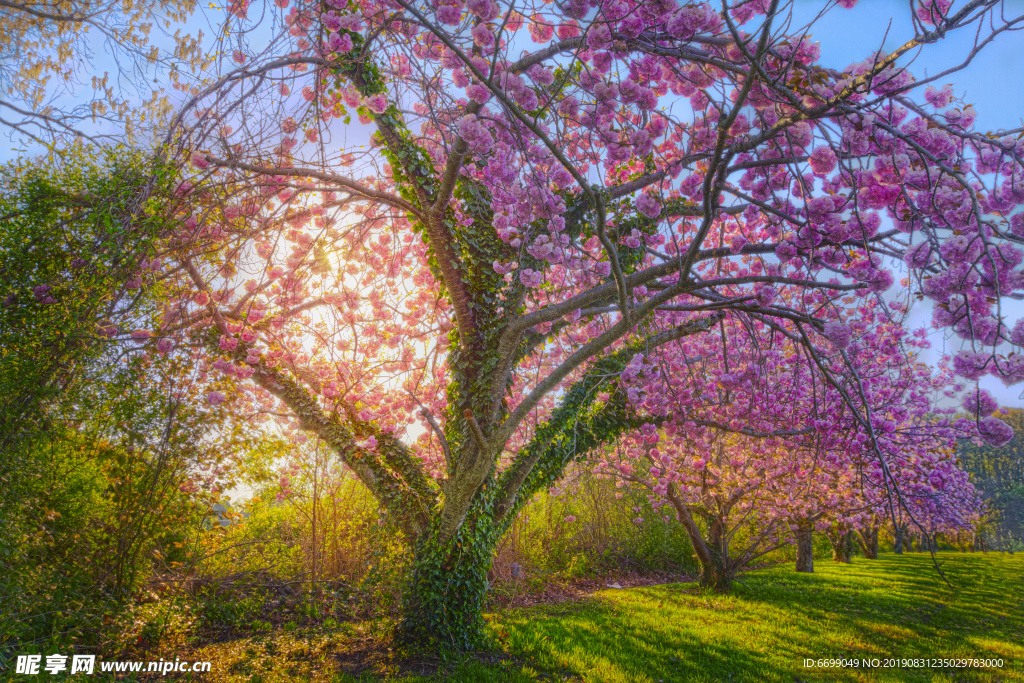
(993, 82)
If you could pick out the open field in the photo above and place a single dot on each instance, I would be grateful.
(894, 607)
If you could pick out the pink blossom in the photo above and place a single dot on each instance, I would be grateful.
(239, 8)
(648, 205)
(970, 364)
(933, 11)
(531, 278)
(369, 443)
(339, 42)
(569, 107)
(995, 432)
(939, 98)
(478, 93)
(484, 9)
(352, 22)
(541, 75)
(215, 398)
(476, 135)
(378, 103)
(599, 37)
(839, 334)
(823, 160)
(766, 296)
(917, 255)
(541, 29)
(450, 15)
(330, 21)
(980, 403)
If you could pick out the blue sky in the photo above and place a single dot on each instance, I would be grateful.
(993, 83)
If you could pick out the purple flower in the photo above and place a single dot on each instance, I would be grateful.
(478, 93)
(823, 160)
(482, 35)
(476, 135)
(917, 255)
(331, 21)
(980, 402)
(531, 278)
(970, 364)
(648, 205)
(766, 296)
(339, 42)
(839, 334)
(995, 432)
(378, 103)
(449, 14)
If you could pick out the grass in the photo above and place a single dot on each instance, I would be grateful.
(893, 607)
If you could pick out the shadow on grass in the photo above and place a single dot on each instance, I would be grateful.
(894, 607)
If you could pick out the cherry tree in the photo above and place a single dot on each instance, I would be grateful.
(727, 452)
(447, 238)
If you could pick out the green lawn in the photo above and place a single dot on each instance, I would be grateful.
(893, 607)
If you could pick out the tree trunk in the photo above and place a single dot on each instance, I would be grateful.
(805, 548)
(842, 545)
(898, 543)
(443, 599)
(868, 542)
(714, 570)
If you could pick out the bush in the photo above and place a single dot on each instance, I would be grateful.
(589, 527)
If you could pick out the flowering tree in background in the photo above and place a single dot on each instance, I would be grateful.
(468, 290)
(730, 454)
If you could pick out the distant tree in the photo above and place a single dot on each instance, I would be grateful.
(754, 441)
(998, 472)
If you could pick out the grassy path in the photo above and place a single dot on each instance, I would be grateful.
(895, 607)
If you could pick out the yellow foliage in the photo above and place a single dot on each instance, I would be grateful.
(48, 38)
